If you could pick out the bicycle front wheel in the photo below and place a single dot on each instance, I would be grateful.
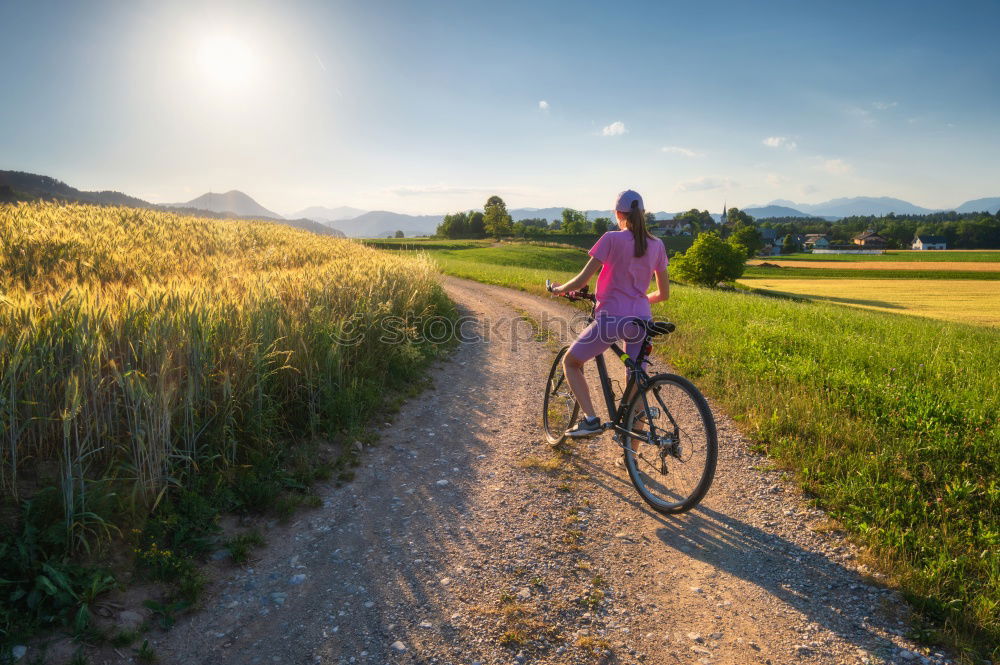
(559, 407)
(673, 469)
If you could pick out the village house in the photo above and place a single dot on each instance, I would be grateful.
(816, 241)
(672, 227)
(870, 240)
(929, 242)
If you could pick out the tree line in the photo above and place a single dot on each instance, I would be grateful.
(495, 222)
(972, 230)
(975, 230)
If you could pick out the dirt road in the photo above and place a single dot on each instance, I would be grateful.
(464, 539)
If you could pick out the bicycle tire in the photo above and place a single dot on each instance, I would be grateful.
(691, 463)
(559, 406)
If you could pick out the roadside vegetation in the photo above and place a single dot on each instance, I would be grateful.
(889, 421)
(157, 371)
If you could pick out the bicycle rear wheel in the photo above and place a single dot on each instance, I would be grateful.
(673, 473)
(559, 408)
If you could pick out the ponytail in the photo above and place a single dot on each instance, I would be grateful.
(636, 223)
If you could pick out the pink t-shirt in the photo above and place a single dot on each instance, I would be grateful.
(624, 278)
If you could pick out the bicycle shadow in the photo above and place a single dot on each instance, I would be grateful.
(810, 583)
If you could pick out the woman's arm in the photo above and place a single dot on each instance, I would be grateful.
(662, 291)
(589, 270)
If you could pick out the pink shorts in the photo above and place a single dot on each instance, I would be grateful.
(603, 332)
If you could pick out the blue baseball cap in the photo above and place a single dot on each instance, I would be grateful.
(627, 199)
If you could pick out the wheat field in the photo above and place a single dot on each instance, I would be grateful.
(965, 301)
(139, 346)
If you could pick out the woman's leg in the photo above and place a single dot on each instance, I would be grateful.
(593, 341)
(578, 383)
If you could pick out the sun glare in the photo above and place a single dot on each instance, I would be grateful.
(226, 61)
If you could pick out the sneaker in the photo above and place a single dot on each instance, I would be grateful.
(586, 427)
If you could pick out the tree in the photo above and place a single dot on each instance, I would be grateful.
(536, 222)
(496, 219)
(789, 245)
(736, 217)
(748, 237)
(455, 225)
(399, 234)
(700, 220)
(709, 260)
(573, 221)
(601, 225)
(477, 226)
(650, 220)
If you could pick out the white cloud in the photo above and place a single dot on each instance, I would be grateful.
(677, 150)
(617, 128)
(704, 183)
(884, 106)
(776, 180)
(836, 166)
(862, 115)
(809, 189)
(779, 142)
(543, 105)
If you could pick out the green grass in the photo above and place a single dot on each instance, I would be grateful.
(902, 255)
(848, 273)
(889, 421)
(423, 243)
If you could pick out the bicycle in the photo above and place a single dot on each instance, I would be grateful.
(680, 439)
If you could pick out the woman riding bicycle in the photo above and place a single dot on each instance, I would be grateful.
(628, 259)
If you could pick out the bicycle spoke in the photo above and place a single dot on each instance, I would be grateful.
(673, 464)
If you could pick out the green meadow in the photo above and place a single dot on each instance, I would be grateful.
(888, 421)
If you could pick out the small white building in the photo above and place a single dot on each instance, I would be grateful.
(929, 242)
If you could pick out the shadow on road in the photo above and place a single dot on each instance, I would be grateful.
(806, 581)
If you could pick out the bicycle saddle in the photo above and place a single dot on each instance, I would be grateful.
(655, 328)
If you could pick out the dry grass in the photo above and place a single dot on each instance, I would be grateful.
(551, 464)
(963, 301)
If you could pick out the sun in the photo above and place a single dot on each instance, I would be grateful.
(226, 61)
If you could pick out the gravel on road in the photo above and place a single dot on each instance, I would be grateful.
(464, 538)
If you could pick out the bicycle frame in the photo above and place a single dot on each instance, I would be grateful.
(638, 380)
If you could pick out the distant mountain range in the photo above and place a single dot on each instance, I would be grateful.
(354, 222)
(321, 214)
(858, 205)
(19, 186)
(234, 202)
(991, 204)
(772, 210)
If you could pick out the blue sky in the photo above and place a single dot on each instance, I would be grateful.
(433, 106)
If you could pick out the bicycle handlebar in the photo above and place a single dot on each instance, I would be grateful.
(580, 294)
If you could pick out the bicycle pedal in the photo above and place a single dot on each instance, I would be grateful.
(654, 412)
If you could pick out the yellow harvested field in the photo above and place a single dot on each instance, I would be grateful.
(973, 266)
(962, 300)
